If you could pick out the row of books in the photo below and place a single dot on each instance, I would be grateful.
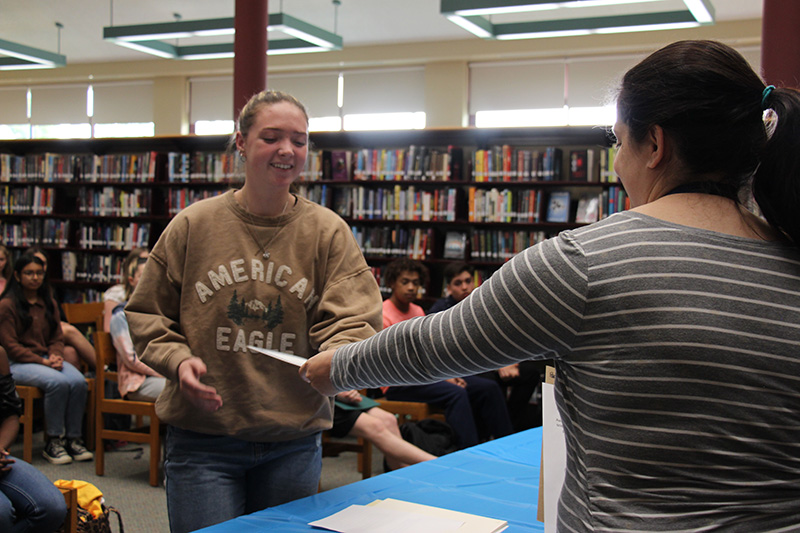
(402, 203)
(412, 163)
(498, 163)
(91, 267)
(180, 199)
(40, 231)
(395, 241)
(29, 200)
(201, 166)
(493, 205)
(507, 163)
(111, 201)
(49, 167)
(114, 235)
(497, 245)
(614, 200)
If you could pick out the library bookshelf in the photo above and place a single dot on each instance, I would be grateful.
(439, 195)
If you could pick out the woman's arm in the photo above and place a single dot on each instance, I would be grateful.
(532, 308)
(121, 337)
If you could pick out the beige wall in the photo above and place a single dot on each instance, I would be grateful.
(445, 62)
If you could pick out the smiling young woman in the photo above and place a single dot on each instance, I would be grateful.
(253, 267)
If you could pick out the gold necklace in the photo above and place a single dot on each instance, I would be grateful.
(265, 254)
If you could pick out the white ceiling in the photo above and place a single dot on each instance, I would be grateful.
(359, 22)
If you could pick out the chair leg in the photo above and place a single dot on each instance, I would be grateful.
(365, 458)
(27, 432)
(155, 452)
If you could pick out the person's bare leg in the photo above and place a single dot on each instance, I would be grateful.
(81, 345)
(398, 452)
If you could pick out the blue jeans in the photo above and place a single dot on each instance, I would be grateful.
(213, 478)
(29, 502)
(64, 395)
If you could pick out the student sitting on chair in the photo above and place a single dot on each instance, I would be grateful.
(137, 381)
(378, 427)
(518, 381)
(82, 348)
(30, 332)
(116, 294)
(460, 397)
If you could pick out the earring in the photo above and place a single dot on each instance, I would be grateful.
(242, 157)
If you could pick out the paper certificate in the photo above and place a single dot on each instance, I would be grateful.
(295, 360)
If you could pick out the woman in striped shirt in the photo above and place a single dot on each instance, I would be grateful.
(675, 326)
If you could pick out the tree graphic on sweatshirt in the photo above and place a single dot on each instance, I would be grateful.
(240, 310)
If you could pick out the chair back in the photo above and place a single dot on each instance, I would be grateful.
(83, 313)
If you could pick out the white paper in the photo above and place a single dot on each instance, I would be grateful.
(472, 523)
(376, 519)
(554, 451)
(295, 360)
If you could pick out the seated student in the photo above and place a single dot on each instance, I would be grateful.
(82, 348)
(519, 380)
(115, 294)
(137, 381)
(30, 332)
(29, 502)
(378, 427)
(459, 397)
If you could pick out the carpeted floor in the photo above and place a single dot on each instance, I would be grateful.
(143, 508)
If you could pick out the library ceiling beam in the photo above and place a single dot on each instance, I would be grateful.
(471, 15)
(150, 38)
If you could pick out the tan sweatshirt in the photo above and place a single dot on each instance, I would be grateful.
(208, 292)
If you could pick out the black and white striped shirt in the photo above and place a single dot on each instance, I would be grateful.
(678, 363)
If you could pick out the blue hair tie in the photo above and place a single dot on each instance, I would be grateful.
(765, 95)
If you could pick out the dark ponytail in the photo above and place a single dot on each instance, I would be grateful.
(776, 184)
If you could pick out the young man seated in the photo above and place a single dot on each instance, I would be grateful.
(520, 380)
(459, 397)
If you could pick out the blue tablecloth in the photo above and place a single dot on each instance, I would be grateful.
(498, 479)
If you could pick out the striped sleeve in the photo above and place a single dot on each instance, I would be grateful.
(531, 308)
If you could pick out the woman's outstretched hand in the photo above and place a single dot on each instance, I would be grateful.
(317, 372)
(203, 396)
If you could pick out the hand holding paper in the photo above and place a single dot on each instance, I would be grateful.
(317, 372)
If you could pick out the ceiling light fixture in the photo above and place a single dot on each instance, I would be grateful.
(149, 38)
(470, 15)
(22, 57)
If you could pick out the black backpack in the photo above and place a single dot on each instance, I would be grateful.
(434, 436)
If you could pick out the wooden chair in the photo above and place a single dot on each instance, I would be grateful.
(106, 355)
(28, 394)
(82, 313)
(86, 315)
(410, 411)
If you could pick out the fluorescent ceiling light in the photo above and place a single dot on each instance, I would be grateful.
(21, 57)
(469, 15)
(148, 38)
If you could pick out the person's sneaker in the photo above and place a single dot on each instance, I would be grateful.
(55, 452)
(78, 451)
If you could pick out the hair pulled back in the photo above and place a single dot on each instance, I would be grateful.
(708, 100)
(247, 115)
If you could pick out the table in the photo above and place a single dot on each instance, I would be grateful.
(498, 479)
